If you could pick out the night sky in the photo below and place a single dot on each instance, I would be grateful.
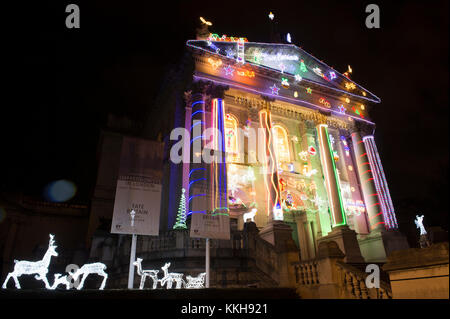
(61, 83)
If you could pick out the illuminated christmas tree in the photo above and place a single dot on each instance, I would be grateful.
(303, 66)
(180, 223)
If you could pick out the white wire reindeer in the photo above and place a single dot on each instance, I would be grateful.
(94, 268)
(250, 215)
(60, 281)
(153, 274)
(40, 268)
(171, 277)
(195, 282)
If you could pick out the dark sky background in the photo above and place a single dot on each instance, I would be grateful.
(61, 83)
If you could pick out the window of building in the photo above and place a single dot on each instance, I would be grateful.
(281, 144)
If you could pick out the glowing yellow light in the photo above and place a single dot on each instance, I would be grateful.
(215, 63)
(204, 21)
(295, 94)
(350, 168)
(350, 86)
(362, 107)
(364, 93)
(347, 100)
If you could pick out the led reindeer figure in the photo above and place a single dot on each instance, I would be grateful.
(146, 273)
(94, 268)
(195, 282)
(40, 267)
(171, 277)
(250, 215)
(60, 281)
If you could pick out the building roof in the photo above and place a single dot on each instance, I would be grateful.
(287, 60)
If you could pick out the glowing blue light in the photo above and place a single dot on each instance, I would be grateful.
(60, 191)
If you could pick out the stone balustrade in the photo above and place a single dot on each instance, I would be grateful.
(352, 283)
(306, 273)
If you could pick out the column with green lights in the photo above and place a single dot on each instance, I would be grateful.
(331, 177)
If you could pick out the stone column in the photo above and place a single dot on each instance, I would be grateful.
(341, 233)
(384, 237)
(381, 186)
(331, 178)
(370, 194)
(194, 180)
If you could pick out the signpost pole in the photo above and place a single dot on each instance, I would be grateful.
(132, 259)
(207, 262)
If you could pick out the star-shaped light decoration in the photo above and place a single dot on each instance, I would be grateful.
(228, 70)
(271, 16)
(332, 75)
(341, 109)
(298, 78)
(274, 89)
(308, 90)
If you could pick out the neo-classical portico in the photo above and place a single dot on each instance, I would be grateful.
(295, 144)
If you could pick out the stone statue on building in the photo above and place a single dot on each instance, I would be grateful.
(423, 241)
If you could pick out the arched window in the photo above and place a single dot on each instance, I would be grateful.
(231, 137)
(281, 143)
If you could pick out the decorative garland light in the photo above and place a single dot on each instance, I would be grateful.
(298, 77)
(324, 102)
(224, 38)
(246, 73)
(308, 90)
(240, 51)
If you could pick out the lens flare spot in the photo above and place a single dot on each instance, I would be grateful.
(60, 191)
(2, 214)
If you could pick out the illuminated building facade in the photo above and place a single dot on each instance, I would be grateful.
(296, 146)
